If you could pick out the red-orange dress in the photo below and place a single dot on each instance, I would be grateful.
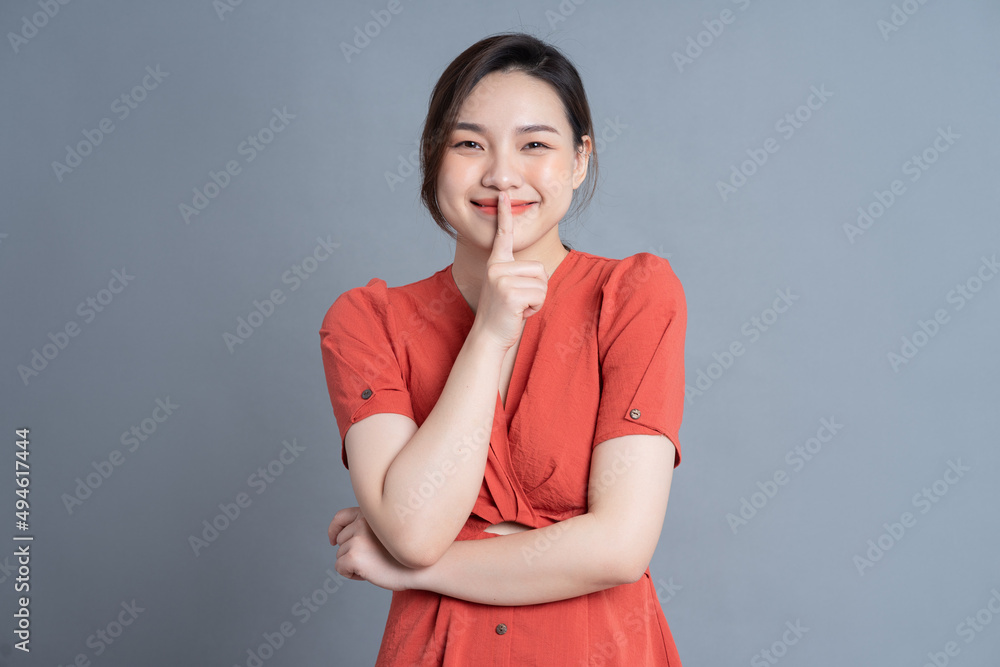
(604, 357)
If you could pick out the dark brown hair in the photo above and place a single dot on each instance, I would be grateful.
(506, 52)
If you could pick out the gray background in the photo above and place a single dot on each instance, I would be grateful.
(680, 130)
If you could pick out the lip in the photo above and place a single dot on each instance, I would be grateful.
(489, 206)
(487, 201)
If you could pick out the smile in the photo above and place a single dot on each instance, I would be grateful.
(516, 208)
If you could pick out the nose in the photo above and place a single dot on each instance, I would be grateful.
(502, 170)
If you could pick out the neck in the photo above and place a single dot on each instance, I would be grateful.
(469, 268)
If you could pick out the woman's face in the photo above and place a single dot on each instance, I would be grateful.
(512, 136)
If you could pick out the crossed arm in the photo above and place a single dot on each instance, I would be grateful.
(611, 544)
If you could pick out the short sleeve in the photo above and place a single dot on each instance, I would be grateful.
(362, 368)
(640, 335)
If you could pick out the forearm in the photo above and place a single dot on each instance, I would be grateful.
(567, 559)
(432, 484)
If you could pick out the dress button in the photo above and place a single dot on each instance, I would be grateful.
(501, 629)
(634, 414)
(366, 394)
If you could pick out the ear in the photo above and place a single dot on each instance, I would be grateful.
(581, 161)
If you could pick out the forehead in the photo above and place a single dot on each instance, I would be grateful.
(505, 99)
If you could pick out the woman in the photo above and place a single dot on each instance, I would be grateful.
(511, 421)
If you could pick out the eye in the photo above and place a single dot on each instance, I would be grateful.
(536, 144)
(462, 144)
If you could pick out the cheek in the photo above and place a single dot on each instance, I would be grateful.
(455, 179)
(555, 178)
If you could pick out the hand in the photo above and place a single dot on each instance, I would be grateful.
(512, 290)
(360, 554)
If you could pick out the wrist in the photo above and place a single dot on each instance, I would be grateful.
(420, 578)
(483, 344)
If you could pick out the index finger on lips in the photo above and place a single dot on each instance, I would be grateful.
(503, 243)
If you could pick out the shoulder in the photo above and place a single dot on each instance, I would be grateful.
(377, 301)
(645, 271)
(639, 281)
(358, 303)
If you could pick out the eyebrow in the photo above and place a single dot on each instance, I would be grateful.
(524, 129)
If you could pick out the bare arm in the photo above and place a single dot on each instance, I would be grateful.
(417, 486)
(610, 545)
